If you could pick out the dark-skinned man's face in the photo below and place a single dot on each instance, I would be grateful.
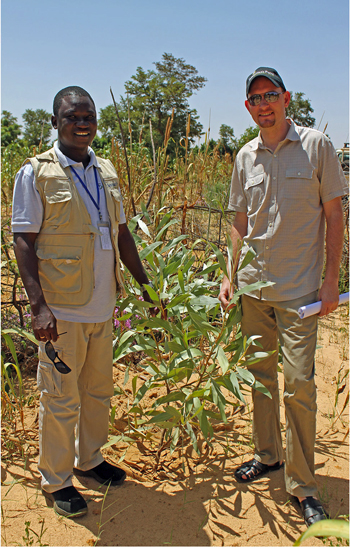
(76, 123)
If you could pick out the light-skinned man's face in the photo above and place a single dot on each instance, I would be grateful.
(267, 115)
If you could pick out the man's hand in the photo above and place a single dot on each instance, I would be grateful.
(329, 295)
(155, 310)
(44, 324)
(226, 293)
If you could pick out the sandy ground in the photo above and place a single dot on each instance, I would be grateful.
(195, 501)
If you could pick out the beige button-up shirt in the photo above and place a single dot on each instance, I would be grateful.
(282, 192)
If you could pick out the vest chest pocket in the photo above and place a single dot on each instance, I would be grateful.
(114, 191)
(58, 201)
(254, 190)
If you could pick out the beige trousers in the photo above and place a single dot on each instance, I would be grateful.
(74, 407)
(273, 321)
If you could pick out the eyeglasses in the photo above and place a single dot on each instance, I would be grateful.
(270, 97)
(52, 354)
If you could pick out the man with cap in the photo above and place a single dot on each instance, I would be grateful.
(286, 189)
(70, 234)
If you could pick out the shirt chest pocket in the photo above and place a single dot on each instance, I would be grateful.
(301, 185)
(254, 190)
(58, 202)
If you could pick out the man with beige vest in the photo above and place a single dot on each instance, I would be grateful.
(70, 234)
(286, 188)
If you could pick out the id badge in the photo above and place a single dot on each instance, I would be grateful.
(105, 236)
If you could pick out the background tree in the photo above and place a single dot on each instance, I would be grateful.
(299, 110)
(10, 129)
(37, 126)
(154, 95)
(227, 139)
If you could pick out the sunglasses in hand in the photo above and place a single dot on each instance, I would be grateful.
(52, 354)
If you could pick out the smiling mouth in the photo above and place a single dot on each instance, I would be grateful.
(82, 133)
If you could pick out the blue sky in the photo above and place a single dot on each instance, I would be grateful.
(49, 44)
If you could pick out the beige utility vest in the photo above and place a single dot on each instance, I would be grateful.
(65, 244)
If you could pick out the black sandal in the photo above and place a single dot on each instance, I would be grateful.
(312, 510)
(253, 469)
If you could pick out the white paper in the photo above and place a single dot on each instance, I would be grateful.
(315, 308)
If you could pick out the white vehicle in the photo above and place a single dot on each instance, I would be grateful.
(343, 155)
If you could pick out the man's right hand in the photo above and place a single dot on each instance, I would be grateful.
(44, 324)
(226, 293)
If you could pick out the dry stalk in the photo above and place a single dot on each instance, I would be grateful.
(125, 153)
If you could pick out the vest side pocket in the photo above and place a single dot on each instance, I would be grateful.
(60, 271)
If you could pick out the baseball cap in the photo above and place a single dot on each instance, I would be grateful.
(267, 72)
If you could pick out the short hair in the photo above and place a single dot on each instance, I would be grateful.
(70, 90)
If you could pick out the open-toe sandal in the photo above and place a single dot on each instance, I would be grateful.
(254, 469)
(312, 510)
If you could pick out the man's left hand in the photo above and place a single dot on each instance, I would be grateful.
(329, 295)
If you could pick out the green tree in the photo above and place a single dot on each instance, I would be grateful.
(250, 133)
(227, 138)
(37, 127)
(155, 95)
(299, 110)
(10, 129)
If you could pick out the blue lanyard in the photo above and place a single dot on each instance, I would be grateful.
(96, 204)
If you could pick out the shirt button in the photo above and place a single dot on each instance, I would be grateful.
(267, 247)
(299, 173)
(270, 224)
(275, 155)
(274, 178)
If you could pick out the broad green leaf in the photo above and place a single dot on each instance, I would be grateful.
(175, 439)
(180, 278)
(133, 222)
(220, 259)
(257, 357)
(176, 300)
(245, 375)
(21, 332)
(11, 346)
(151, 292)
(143, 227)
(250, 288)
(171, 222)
(142, 391)
(261, 388)
(210, 269)
(219, 399)
(171, 397)
(173, 242)
(163, 416)
(189, 430)
(116, 439)
(325, 528)
(249, 256)
(235, 387)
(149, 249)
(222, 359)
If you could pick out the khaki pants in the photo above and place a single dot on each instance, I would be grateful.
(274, 320)
(74, 407)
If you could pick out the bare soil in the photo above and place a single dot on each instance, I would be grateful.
(189, 500)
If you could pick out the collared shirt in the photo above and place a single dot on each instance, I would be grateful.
(27, 215)
(282, 193)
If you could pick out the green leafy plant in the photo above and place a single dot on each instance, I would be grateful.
(194, 352)
(325, 528)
